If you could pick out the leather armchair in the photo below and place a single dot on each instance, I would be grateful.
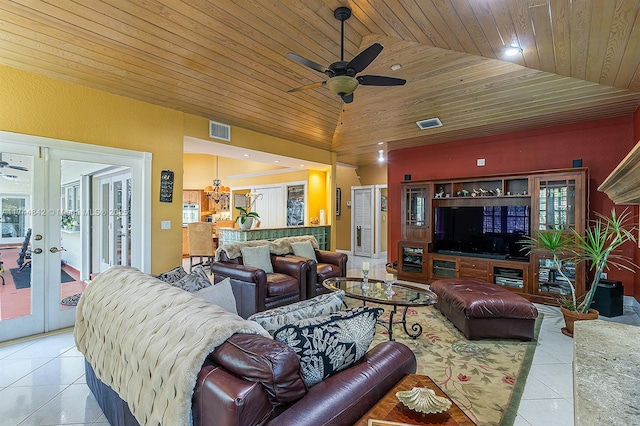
(257, 291)
(330, 264)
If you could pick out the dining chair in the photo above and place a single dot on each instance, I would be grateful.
(200, 237)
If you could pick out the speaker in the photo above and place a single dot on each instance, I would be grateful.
(577, 162)
(407, 177)
(608, 298)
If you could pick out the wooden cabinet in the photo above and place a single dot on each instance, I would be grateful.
(474, 267)
(559, 202)
(495, 212)
(191, 196)
(443, 266)
(416, 212)
(412, 262)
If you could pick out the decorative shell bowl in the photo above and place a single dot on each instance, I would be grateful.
(423, 400)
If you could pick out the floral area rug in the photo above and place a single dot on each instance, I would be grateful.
(485, 378)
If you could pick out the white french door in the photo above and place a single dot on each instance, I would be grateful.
(114, 236)
(56, 177)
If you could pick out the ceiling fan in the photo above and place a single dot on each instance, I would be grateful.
(4, 164)
(342, 74)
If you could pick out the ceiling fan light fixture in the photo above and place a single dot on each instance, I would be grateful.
(342, 85)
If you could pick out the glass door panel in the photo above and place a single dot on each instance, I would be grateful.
(23, 216)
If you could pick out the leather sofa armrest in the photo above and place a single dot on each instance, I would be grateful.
(220, 398)
(238, 272)
(344, 397)
(334, 258)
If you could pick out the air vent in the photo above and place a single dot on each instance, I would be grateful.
(429, 123)
(219, 131)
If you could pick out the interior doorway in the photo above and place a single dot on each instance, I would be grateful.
(369, 221)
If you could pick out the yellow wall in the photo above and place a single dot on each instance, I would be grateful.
(36, 105)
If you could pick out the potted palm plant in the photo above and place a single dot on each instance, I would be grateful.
(599, 248)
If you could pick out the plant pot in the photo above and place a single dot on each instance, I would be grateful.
(570, 317)
(248, 221)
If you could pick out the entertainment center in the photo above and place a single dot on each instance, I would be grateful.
(473, 227)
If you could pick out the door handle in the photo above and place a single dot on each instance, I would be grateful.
(37, 251)
(56, 249)
(358, 236)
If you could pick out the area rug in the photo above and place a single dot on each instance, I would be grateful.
(485, 378)
(71, 300)
(23, 279)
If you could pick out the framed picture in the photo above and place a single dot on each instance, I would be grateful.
(383, 203)
(338, 200)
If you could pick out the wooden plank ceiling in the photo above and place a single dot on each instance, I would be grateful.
(226, 60)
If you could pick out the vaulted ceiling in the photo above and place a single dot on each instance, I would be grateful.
(226, 60)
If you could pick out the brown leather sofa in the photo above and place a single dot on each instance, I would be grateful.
(254, 380)
(330, 264)
(257, 291)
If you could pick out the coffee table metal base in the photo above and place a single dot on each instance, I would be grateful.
(416, 329)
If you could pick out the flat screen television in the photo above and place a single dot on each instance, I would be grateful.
(483, 231)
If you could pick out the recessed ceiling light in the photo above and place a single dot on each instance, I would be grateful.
(380, 143)
(396, 67)
(276, 161)
(301, 165)
(512, 50)
(246, 155)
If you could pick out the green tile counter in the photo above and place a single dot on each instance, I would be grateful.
(322, 234)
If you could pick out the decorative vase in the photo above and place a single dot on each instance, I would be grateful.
(570, 317)
(248, 221)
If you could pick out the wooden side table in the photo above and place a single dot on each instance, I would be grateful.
(390, 409)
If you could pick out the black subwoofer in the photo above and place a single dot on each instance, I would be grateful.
(608, 298)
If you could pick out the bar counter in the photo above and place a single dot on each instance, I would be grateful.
(321, 232)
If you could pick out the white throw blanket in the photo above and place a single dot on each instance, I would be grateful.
(148, 340)
(278, 247)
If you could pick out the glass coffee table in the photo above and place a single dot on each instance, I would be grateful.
(375, 291)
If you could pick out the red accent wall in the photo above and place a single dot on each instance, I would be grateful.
(636, 138)
(601, 145)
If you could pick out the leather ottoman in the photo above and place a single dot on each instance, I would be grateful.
(483, 310)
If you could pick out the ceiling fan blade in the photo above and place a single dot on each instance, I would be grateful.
(308, 86)
(364, 58)
(306, 62)
(347, 99)
(379, 80)
(24, 169)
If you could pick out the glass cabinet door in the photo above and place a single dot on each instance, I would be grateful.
(416, 206)
(557, 204)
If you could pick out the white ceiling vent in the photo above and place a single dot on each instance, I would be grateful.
(429, 123)
(219, 131)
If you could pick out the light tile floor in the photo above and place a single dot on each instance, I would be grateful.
(42, 379)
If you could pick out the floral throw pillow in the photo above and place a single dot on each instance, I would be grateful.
(330, 343)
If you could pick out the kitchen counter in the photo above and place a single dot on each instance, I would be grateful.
(320, 232)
